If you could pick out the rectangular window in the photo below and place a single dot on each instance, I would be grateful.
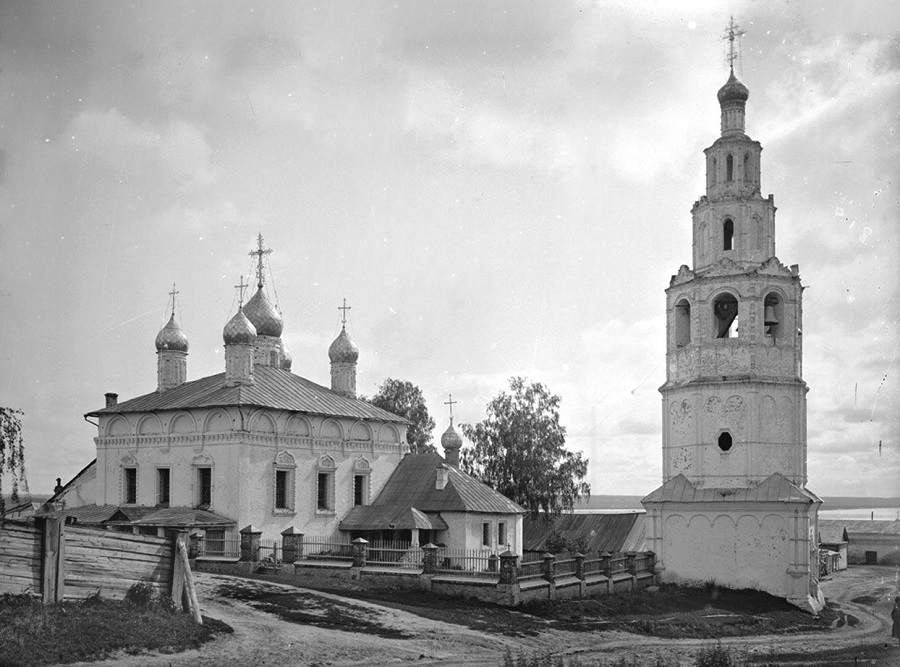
(359, 489)
(501, 534)
(324, 495)
(281, 490)
(486, 534)
(130, 484)
(204, 487)
(162, 486)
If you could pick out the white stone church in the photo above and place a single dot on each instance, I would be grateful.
(259, 446)
(734, 508)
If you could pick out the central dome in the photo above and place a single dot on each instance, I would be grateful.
(264, 315)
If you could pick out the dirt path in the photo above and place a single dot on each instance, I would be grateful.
(318, 634)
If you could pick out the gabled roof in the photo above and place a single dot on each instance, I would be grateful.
(90, 467)
(274, 388)
(776, 488)
(410, 498)
(390, 517)
(597, 531)
(832, 532)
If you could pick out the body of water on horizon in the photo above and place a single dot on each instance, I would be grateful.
(878, 513)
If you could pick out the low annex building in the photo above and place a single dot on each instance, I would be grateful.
(258, 445)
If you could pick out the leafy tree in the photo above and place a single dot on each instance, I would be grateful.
(519, 450)
(405, 399)
(12, 453)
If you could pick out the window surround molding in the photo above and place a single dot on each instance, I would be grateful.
(287, 466)
(326, 469)
(128, 462)
(362, 469)
(198, 462)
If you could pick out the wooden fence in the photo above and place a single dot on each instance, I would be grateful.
(70, 562)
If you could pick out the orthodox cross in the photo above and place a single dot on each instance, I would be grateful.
(732, 31)
(241, 287)
(344, 310)
(451, 403)
(172, 294)
(260, 252)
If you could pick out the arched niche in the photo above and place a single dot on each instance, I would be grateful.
(389, 433)
(262, 422)
(360, 431)
(331, 429)
(149, 425)
(218, 421)
(118, 426)
(728, 234)
(298, 425)
(182, 423)
(682, 323)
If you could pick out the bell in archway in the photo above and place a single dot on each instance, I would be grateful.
(770, 318)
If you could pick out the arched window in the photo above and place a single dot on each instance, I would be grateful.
(725, 441)
(747, 167)
(725, 310)
(729, 168)
(712, 172)
(728, 235)
(682, 323)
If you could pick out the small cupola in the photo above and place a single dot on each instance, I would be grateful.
(451, 441)
(343, 354)
(240, 337)
(171, 353)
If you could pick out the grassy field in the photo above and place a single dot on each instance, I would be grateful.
(31, 634)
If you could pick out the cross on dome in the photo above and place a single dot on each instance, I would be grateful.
(241, 287)
(172, 294)
(732, 31)
(451, 403)
(260, 252)
(344, 310)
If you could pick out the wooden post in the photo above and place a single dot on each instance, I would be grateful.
(182, 555)
(54, 562)
(178, 571)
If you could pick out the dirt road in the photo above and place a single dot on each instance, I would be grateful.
(324, 629)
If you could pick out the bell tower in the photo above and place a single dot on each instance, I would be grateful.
(734, 400)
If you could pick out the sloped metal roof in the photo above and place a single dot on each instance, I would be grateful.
(598, 531)
(390, 517)
(412, 484)
(142, 516)
(775, 488)
(859, 527)
(187, 517)
(274, 388)
(832, 532)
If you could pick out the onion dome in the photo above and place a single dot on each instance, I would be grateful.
(264, 315)
(286, 359)
(171, 337)
(733, 90)
(451, 439)
(343, 349)
(239, 330)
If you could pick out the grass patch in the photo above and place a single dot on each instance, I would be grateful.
(93, 629)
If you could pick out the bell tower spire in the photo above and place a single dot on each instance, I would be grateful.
(734, 401)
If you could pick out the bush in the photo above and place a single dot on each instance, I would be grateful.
(716, 656)
(145, 597)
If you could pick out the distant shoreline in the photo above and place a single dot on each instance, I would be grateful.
(612, 502)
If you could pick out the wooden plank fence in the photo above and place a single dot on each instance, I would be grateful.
(71, 562)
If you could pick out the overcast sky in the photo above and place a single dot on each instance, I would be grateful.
(497, 189)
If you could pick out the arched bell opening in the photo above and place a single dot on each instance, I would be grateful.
(728, 234)
(725, 312)
(773, 315)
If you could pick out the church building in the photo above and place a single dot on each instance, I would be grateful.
(733, 507)
(262, 447)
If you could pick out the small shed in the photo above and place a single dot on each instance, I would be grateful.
(833, 538)
(870, 542)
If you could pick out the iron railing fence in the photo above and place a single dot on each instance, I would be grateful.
(468, 562)
(403, 555)
(227, 547)
(317, 547)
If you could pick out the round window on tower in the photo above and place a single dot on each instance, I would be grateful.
(725, 441)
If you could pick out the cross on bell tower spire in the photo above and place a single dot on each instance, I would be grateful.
(172, 294)
(732, 32)
(241, 287)
(451, 403)
(260, 252)
(344, 310)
